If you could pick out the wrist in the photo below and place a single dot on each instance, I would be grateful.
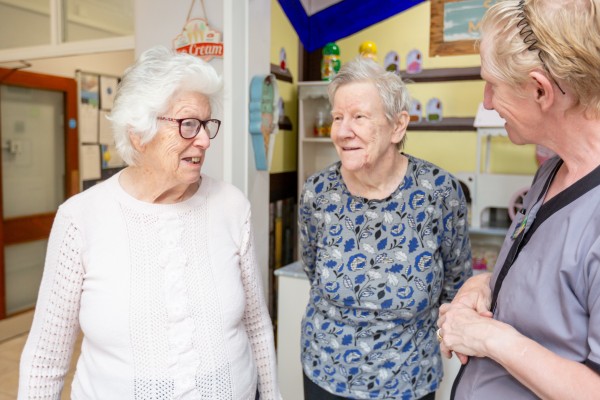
(500, 340)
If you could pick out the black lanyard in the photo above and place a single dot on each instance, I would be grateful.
(508, 262)
(518, 242)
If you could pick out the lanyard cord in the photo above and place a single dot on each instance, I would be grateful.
(518, 244)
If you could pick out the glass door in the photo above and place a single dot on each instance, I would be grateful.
(38, 137)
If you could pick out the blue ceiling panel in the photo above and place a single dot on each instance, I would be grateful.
(340, 19)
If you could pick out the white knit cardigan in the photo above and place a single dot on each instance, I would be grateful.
(168, 297)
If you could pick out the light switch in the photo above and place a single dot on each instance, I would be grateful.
(15, 147)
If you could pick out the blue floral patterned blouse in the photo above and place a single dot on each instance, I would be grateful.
(378, 271)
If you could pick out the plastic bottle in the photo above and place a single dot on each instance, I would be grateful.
(330, 63)
(320, 125)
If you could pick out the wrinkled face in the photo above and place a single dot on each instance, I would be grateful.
(361, 133)
(177, 161)
(517, 109)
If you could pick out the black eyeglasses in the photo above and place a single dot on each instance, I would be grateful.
(189, 127)
(531, 40)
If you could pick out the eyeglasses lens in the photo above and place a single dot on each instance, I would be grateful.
(191, 127)
(212, 127)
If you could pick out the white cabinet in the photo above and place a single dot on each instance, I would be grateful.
(314, 153)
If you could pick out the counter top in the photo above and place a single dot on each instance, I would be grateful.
(293, 270)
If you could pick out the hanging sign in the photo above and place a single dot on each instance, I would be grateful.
(198, 38)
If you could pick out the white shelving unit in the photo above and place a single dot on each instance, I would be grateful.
(314, 153)
(489, 189)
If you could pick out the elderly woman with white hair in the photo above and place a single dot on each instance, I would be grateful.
(155, 265)
(531, 329)
(384, 242)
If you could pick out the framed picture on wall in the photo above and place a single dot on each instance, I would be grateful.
(454, 27)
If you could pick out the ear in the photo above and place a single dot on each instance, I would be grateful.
(400, 126)
(136, 142)
(543, 90)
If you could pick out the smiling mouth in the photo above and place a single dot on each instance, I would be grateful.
(193, 160)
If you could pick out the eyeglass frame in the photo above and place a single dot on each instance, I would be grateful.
(200, 126)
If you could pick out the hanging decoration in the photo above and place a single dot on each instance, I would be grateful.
(264, 116)
(198, 38)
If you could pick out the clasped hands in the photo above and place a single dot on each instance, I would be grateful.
(466, 322)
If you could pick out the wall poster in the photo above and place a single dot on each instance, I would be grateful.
(98, 158)
(454, 28)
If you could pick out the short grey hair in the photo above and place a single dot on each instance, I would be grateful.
(392, 90)
(148, 88)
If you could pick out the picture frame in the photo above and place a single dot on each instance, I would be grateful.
(462, 19)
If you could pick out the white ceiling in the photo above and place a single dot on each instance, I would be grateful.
(314, 6)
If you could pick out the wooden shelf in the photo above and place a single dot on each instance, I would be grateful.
(281, 74)
(285, 124)
(446, 124)
(314, 139)
(443, 75)
(426, 75)
(283, 185)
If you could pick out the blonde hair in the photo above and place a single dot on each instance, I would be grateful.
(566, 35)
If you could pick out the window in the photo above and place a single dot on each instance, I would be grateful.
(27, 23)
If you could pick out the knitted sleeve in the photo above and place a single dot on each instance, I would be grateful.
(257, 321)
(47, 353)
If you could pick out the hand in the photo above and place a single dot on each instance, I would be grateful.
(446, 352)
(474, 293)
(465, 331)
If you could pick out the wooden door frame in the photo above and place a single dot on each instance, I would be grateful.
(41, 224)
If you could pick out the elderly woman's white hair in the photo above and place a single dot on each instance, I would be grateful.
(147, 89)
(391, 88)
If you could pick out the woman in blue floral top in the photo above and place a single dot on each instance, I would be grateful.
(384, 243)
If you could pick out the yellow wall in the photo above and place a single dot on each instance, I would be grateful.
(454, 151)
(284, 35)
